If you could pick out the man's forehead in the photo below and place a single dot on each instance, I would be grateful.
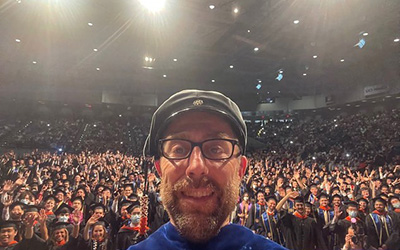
(186, 135)
(185, 124)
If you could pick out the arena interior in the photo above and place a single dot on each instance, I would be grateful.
(317, 82)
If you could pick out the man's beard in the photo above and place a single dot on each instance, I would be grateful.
(202, 223)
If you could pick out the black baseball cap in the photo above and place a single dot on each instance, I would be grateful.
(194, 100)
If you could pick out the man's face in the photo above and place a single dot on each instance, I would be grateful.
(365, 193)
(336, 201)
(99, 212)
(363, 205)
(323, 201)
(128, 191)
(124, 211)
(271, 204)
(77, 204)
(60, 196)
(7, 235)
(60, 234)
(199, 193)
(299, 207)
(260, 197)
(307, 210)
(314, 190)
(16, 213)
(394, 201)
(80, 193)
(379, 206)
(385, 190)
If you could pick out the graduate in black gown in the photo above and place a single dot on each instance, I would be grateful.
(340, 226)
(300, 231)
(270, 221)
(379, 224)
(254, 220)
(129, 233)
(8, 233)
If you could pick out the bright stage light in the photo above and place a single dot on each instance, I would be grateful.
(153, 5)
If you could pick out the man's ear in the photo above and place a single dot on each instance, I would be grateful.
(243, 166)
(158, 167)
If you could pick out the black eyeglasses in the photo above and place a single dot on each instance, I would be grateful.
(212, 149)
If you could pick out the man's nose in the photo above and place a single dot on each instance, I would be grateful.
(197, 166)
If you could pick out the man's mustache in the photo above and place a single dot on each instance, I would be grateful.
(188, 183)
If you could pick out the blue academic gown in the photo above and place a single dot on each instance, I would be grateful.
(231, 237)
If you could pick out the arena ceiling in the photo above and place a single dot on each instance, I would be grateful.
(207, 44)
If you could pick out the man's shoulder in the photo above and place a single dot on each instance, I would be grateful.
(231, 237)
(254, 241)
(155, 241)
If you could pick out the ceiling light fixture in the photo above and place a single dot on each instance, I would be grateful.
(342, 60)
(90, 24)
(95, 50)
(17, 40)
(304, 74)
(212, 7)
(315, 56)
(256, 49)
(235, 10)
(34, 62)
(296, 21)
(175, 60)
(212, 80)
(365, 34)
(248, 31)
(231, 66)
(97, 69)
(396, 40)
(164, 76)
(153, 5)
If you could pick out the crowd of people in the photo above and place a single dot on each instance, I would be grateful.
(320, 184)
(75, 135)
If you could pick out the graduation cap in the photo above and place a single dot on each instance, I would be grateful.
(97, 205)
(9, 223)
(125, 203)
(99, 186)
(335, 189)
(81, 188)
(322, 195)
(50, 197)
(17, 203)
(271, 197)
(393, 197)
(299, 199)
(60, 190)
(259, 191)
(107, 188)
(63, 209)
(308, 204)
(77, 198)
(133, 197)
(384, 196)
(101, 222)
(130, 184)
(59, 225)
(32, 209)
(133, 206)
(352, 204)
(379, 198)
(362, 199)
(337, 195)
